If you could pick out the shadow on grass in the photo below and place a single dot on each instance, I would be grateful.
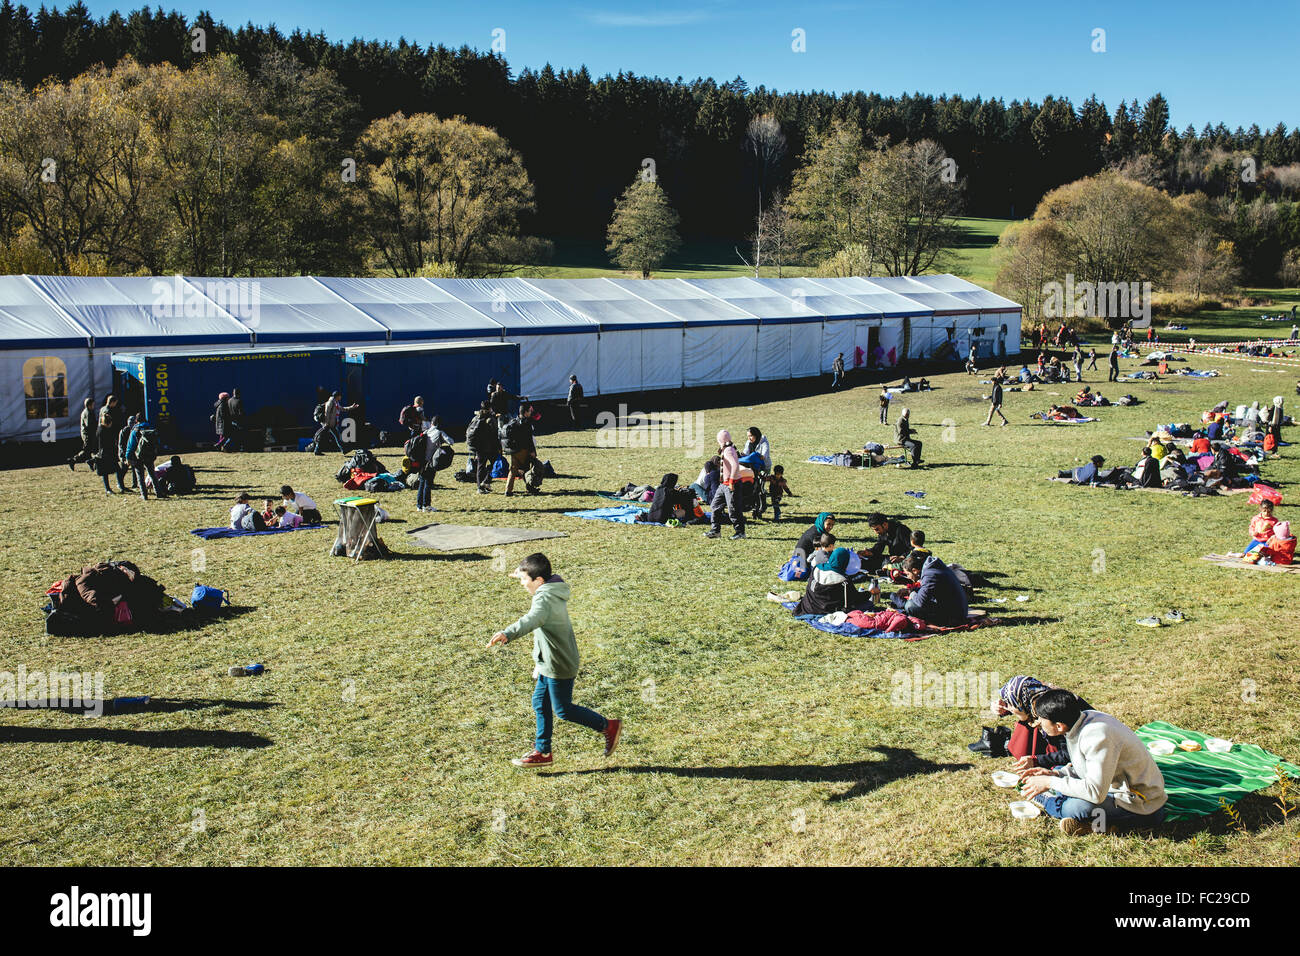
(864, 775)
(1256, 811)
(433, 553)
(184, 737)
(155, 705)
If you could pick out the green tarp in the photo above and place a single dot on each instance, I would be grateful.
(1196, 781)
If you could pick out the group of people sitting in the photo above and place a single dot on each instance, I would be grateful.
(1082, 766)
(295, 509)
(928, 588)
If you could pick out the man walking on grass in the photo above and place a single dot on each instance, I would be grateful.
(555, 660)
(837, 371)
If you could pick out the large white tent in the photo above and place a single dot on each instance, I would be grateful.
(57, 333)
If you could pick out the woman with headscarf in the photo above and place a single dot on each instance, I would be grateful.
(1029, 745)
(903, 437)
(731, 493)
(808, 540)
(829, 589)
(221, 419)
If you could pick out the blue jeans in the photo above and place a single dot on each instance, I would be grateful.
(1113, 817)
(553, 698)
(1254, 543)
(836, 378)
(422, 494)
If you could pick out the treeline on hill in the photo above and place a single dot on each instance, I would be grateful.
(284, 111)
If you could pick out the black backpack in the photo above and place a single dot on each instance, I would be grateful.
(318, 415)
(514, 434)
(147, 445)
(417, 448)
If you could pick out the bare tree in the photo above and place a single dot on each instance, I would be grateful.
(766, 143)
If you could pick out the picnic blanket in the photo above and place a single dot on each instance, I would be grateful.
(1229, 561)
(208, 534)
(1204, 373)
(1196, 781)
(1062, 421)
(458, 537)
(884, 623)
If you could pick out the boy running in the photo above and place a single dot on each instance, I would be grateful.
(555, 660)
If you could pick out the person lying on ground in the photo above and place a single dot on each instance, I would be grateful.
(938, 598)
(893, 541)
(670, 502)
(301, 503)
(284, 518)
(1111, 782)
(829, 589)
(808, 540)
(1028, 744)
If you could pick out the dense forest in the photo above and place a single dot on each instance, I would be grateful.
(582, 139)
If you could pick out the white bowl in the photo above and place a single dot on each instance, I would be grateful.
(1004, 778)
(1218, 745)
(1024, 809)
(1161, 748)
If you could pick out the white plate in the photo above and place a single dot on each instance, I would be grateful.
(1024, 809)
(1161, 748)
(1218, 745)
(1004, 778)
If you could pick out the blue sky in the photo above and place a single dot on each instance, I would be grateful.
(1235, 63)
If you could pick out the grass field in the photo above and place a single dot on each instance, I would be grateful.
(383, 728)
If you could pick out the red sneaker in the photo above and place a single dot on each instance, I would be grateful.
(613, 727)
(534, 758)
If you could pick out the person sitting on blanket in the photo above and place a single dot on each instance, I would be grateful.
(1200, 444)
(822, 553)
(808, 540)
(1028, 744)
(1111, 782)
(706, 484)
(268, 512)
(1261, 527)
(829, 589)
(938, 597)
(669, 503)
(1280, 547)
(244, 517)
(304, 505)
(892, 536)
(918, 544)
(1147, 471)
(284, 518)
(1062, 413)
(1084, 474)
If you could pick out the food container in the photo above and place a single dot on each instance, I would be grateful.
(1161, 748)
(1218, 745)
(1024, 809)
(1191, 746)
(1004, 778)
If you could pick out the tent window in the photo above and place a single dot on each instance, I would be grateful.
(45, 387)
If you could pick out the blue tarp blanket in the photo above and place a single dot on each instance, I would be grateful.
(851, 630)
(626, 514)
(1208, 373)
(209, 533)
(821, 459)
(1062, 421)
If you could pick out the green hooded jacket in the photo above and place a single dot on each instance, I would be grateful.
(555, 649)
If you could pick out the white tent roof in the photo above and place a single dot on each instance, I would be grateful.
(412, 308)
(520, 308)
(823, 301)
(920, 293)
(297, 309)
(689, 303)
(968, 292)
(606, 302)
(131, 310)
(29, 320)
(877, 297)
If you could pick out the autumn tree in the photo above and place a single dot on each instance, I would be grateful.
(643, 231)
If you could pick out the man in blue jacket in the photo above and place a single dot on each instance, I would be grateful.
(938, 598)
